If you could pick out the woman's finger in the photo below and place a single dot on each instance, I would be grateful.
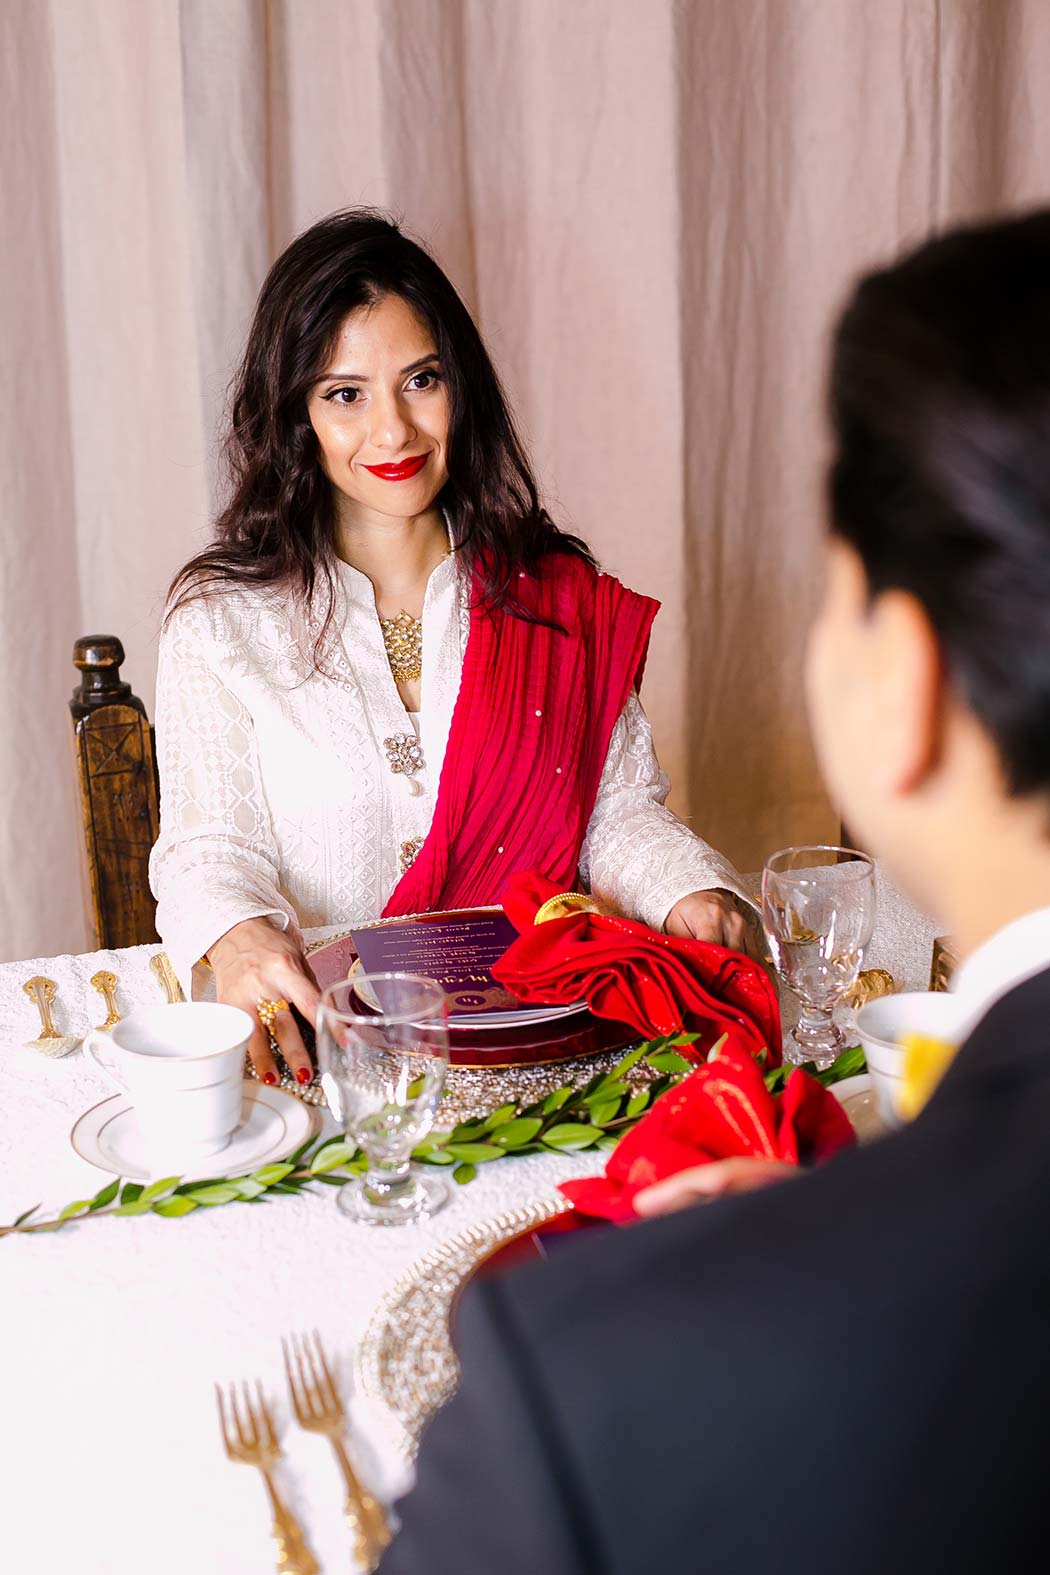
(734, 931)
(301, 989)
(259, 1052)
(292, 1048)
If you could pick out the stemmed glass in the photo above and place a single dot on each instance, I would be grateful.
(818, 910)
(388, 1067)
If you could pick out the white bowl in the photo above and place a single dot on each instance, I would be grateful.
(882, 1023)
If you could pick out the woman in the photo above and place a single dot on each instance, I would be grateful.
(391, 681)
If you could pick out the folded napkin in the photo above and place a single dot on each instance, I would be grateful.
(659, 984)
(721, 1111)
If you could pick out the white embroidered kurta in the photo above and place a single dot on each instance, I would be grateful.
(277, 793)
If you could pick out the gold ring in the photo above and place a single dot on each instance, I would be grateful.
(566, 903)
(268, 1012)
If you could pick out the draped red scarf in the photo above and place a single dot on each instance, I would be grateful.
(529, 736)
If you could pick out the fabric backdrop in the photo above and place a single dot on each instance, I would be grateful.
(653, 209)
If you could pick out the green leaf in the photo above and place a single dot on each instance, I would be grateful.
(499, 1117)
(630, 1060)
(329, 1181)
(174, 1208)
(571, 1135)
(105, 1196)
(849, 1064)
(432, 1156)
(637, 1103)
(214, 1194)
(291, 1188)
(512, 1134)
(555, 1100)
(25, 1215)
(157, 1189)
(602, 1111)
(331, 1157)
(474, 1153)
(137, 1206)
(248, 1188)
(416, 1087)
(671, 1061)
(301, 1152)
(268, 1174)
(72, 1209)
(464, 1173)
(130, 1191)
(776, 1079)
(608, 1141)
(713, 1053)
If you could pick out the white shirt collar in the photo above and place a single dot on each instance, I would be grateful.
(361, 592)
(1017, 952)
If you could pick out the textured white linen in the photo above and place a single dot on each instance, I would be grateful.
(114, 1331)
(277, 794)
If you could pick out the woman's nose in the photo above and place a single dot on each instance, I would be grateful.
(391, 429)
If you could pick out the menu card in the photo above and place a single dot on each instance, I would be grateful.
(457, 950)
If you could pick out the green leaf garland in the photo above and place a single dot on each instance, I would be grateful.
(568, 1120)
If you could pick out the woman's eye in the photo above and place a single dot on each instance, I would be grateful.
(343, 396)
(424, 380)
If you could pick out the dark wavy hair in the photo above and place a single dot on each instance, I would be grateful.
(277, 527)
(940, 405)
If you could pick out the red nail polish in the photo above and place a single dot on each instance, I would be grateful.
(304, 1074)
(270, 1077)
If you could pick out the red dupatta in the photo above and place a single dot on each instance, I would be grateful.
(529, 736)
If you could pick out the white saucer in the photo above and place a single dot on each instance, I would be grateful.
(273, 1124)
(856, 1095)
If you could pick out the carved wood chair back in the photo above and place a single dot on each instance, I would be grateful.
(119, 795)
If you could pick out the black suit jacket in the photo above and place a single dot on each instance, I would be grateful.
(847, 1373)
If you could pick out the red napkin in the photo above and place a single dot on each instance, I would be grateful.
(721, 1111)
(659, 984)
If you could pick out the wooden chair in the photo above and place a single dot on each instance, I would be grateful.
(119, 794)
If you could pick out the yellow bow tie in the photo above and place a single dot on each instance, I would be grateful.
(925, 1062)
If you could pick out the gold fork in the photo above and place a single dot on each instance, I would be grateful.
(319, 1409)
(252, 1441)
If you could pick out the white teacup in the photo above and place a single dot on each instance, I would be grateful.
(882, 1023)
(182, 1066)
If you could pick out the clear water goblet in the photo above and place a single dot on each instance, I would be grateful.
(382, 1047)
(818, 911)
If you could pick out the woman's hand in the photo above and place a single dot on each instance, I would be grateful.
(707, 1182)
(253, 962)
(709, 916)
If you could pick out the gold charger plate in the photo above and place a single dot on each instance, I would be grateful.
(406, 1358)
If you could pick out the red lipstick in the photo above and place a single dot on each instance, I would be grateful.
(403, 471)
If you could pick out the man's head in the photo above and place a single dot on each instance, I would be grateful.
(929, 665)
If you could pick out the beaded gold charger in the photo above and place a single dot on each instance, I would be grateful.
(406, 1358)
(475, 1091)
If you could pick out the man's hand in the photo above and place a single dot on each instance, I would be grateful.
(707, 1182)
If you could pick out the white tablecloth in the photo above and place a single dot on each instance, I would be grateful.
(115, 1330)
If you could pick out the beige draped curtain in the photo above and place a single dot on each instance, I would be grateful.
(652, 207)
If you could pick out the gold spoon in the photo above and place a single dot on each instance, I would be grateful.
(106, 985)
(160, 963)
(42, 992)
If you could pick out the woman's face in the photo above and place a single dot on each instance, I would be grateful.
(380, 411)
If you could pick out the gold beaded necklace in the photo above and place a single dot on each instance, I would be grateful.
(403, 640)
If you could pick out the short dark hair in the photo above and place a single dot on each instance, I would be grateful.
(940, 405)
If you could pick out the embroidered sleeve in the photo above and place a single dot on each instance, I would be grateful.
(637, 854)
(215, 861)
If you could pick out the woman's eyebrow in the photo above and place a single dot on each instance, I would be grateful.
(358, 377)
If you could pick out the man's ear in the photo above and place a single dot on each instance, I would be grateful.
(909, 690)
